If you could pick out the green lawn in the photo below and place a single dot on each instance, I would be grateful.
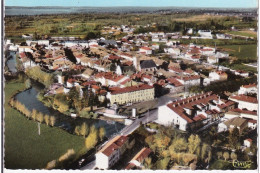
(24, 148)
(246, 51)
(244, 33)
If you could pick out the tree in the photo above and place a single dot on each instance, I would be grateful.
(52, 120)
(47, 119)
(233, 156)
(226, 155)
(204, 150)
(27, 83)
(193, 143)
(147, 163)
(233, 137)
(102, 133)
(34, 114)
(178, 145)
(40, 117)
(77, 130)
(92, 138)
(163, 163)
(219, 154)
(84, 129)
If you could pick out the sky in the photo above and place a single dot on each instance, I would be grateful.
(154, 3)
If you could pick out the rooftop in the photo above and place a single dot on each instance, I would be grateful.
(130, 89)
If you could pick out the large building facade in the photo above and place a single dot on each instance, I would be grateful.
(131, 94)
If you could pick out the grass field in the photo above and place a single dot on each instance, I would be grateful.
(246, 51)
(24, 148)
(244, 33)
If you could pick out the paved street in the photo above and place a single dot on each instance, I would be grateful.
(90, 165)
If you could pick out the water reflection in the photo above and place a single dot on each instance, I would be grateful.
(29, 99)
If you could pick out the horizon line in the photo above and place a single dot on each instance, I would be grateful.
(140, 7)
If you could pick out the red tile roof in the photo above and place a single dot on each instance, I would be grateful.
(249, 139)
(178, 106)
(141, 155)
(145, 48)
(131, 89)
(113, 145)
(178, 70)
(174, 82)
(226, 104)
(252, 121)
(199, 117)
(22, 55)
(187, 78)
(243, 111)
(249, 86)
(126, 54)
(245, 98)
(114, 57)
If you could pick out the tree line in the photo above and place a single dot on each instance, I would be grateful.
(34, 114)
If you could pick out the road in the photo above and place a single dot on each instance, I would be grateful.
(90, 165)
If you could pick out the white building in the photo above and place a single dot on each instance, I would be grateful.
(248, 142)
(111, 152)
(145, 50)
(205, 34)
(189, 80)
(190, 113)
(25, 49)
(248, 89)
(245, 102)
(218, 76)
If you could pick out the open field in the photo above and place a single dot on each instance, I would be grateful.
(244, 33)
(24, 148)
(80, 24)
(242, 51)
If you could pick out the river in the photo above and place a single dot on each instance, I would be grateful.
(29, 99)
(11, 61)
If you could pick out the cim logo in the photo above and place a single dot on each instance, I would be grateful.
(242, 164)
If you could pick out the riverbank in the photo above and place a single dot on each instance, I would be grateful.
(24, 148)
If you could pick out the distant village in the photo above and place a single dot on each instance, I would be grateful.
(139, 68)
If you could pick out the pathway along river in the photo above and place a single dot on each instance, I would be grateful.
(29, 99)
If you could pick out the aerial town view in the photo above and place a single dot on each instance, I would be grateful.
(130, 85)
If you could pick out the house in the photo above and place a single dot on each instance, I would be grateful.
(171, 50)
(137, 161)
(27, 36)
(147, 65)
(174, 85)
(189, 113)
(230, 124)
(245, 102)
(248, 142)
(252, 124)
(111, 152)
(223, 36)
(218, 76)
(27, 62)
(87, 73)
(189, 80)
(25, 49)
(145, 50)
(242, 73)
(248, 89)
(131, 94)
(205, 34)
(241, 113)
